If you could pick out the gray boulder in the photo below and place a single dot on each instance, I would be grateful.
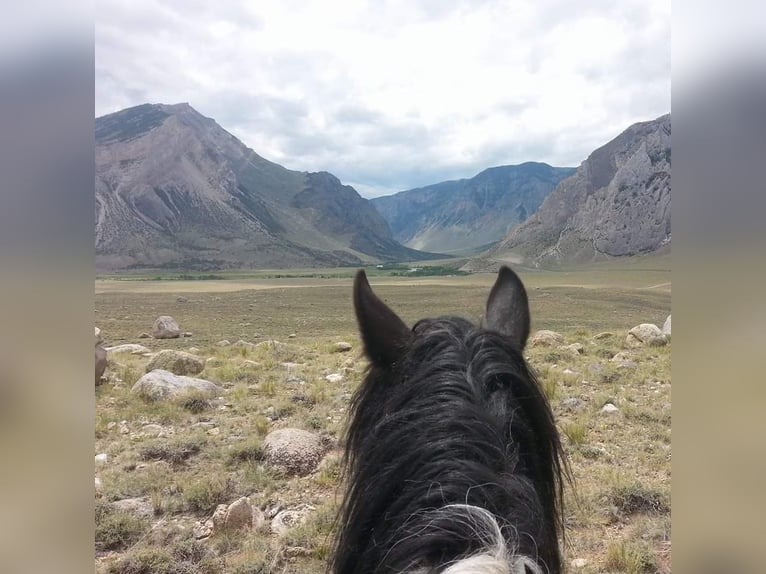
(132, 348)
(161, 384)
(295, 451)
(646, 334)
(165, 327)
(178, 362)
(545, 338)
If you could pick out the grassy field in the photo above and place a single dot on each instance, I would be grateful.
(185, 457)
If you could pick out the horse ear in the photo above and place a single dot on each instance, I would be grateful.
(508, 307)
(384, 334)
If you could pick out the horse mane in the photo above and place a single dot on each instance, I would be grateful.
(452, 461)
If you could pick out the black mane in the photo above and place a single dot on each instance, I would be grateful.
(457, 419)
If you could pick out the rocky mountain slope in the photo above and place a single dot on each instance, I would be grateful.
(617, 203)
(470, 213)
(175, 190)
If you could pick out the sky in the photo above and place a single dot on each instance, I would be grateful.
(392, 95)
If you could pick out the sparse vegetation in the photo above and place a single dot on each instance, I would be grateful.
(187, 455)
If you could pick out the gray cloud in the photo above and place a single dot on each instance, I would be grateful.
(389, 96)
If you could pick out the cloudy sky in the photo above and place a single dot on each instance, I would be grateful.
(390, 95)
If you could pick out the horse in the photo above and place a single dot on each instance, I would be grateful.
(452, 463)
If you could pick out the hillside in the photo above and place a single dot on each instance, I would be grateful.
(616, 204)
(174, 190)
(460, 215)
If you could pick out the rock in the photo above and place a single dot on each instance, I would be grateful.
(621, 357)
(181, 299)
(573, 404)
(144, 336)
(99, 338)
(187, 334)
(579, 563)
(609, 408)
(214, 362)
(136, 506)
(132, 348)
(239, 515)
(334, 378)
(646, 334)
(101, 361)
(341, 347)
(292, 336)
(544, 338)
(223, 343)
(247, 363)
(102, 458)
(97, 484)
(193, 350)
(165, 327)
(286, 520)
(603, 335)
(202, 530)
(178, 362)
(295, 451)
(666, 327)
(161, 384)
(575, 349)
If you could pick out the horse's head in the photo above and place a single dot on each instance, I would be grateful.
(449, 428)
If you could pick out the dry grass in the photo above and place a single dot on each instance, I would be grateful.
(189, 455)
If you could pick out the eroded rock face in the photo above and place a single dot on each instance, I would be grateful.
(617, 203)
(165, 327)
(177, 362)
(295, 451)
(160, 384)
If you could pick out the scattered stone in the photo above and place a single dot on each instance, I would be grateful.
(292, 336)
(341, 347)
(295, 451)
(161, 384)
(144, 336)
(646, 334)
(545, 338)
(111, 425)
(187, 334)
(137, 506)
(666, 327)
(286, 520)
(102, 458)
(579, 563)
(193, 350)
(575, 349)
(604, 335)
(573, 404)
(568, 372)
(334, 378)
(165, 327)
(238, 515)
(223, 343)
(202, 530)
(97, 484)
(153, 429)
(101, 360)
(132, 348)
(181, 299)
(214, 431)
(609, 408)
(250, 364)
(177, 362)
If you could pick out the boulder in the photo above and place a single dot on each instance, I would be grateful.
(341, 347)
(165, 327)
(161, 384)
(178, 362)
(545, 338)
(286, 520)
(666, 327)
(646, 334)
(295, 451)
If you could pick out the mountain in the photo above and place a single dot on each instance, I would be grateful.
(175, 190)
(465, 214)
(617, 203)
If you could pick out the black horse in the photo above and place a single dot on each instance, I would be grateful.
(453, 461)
